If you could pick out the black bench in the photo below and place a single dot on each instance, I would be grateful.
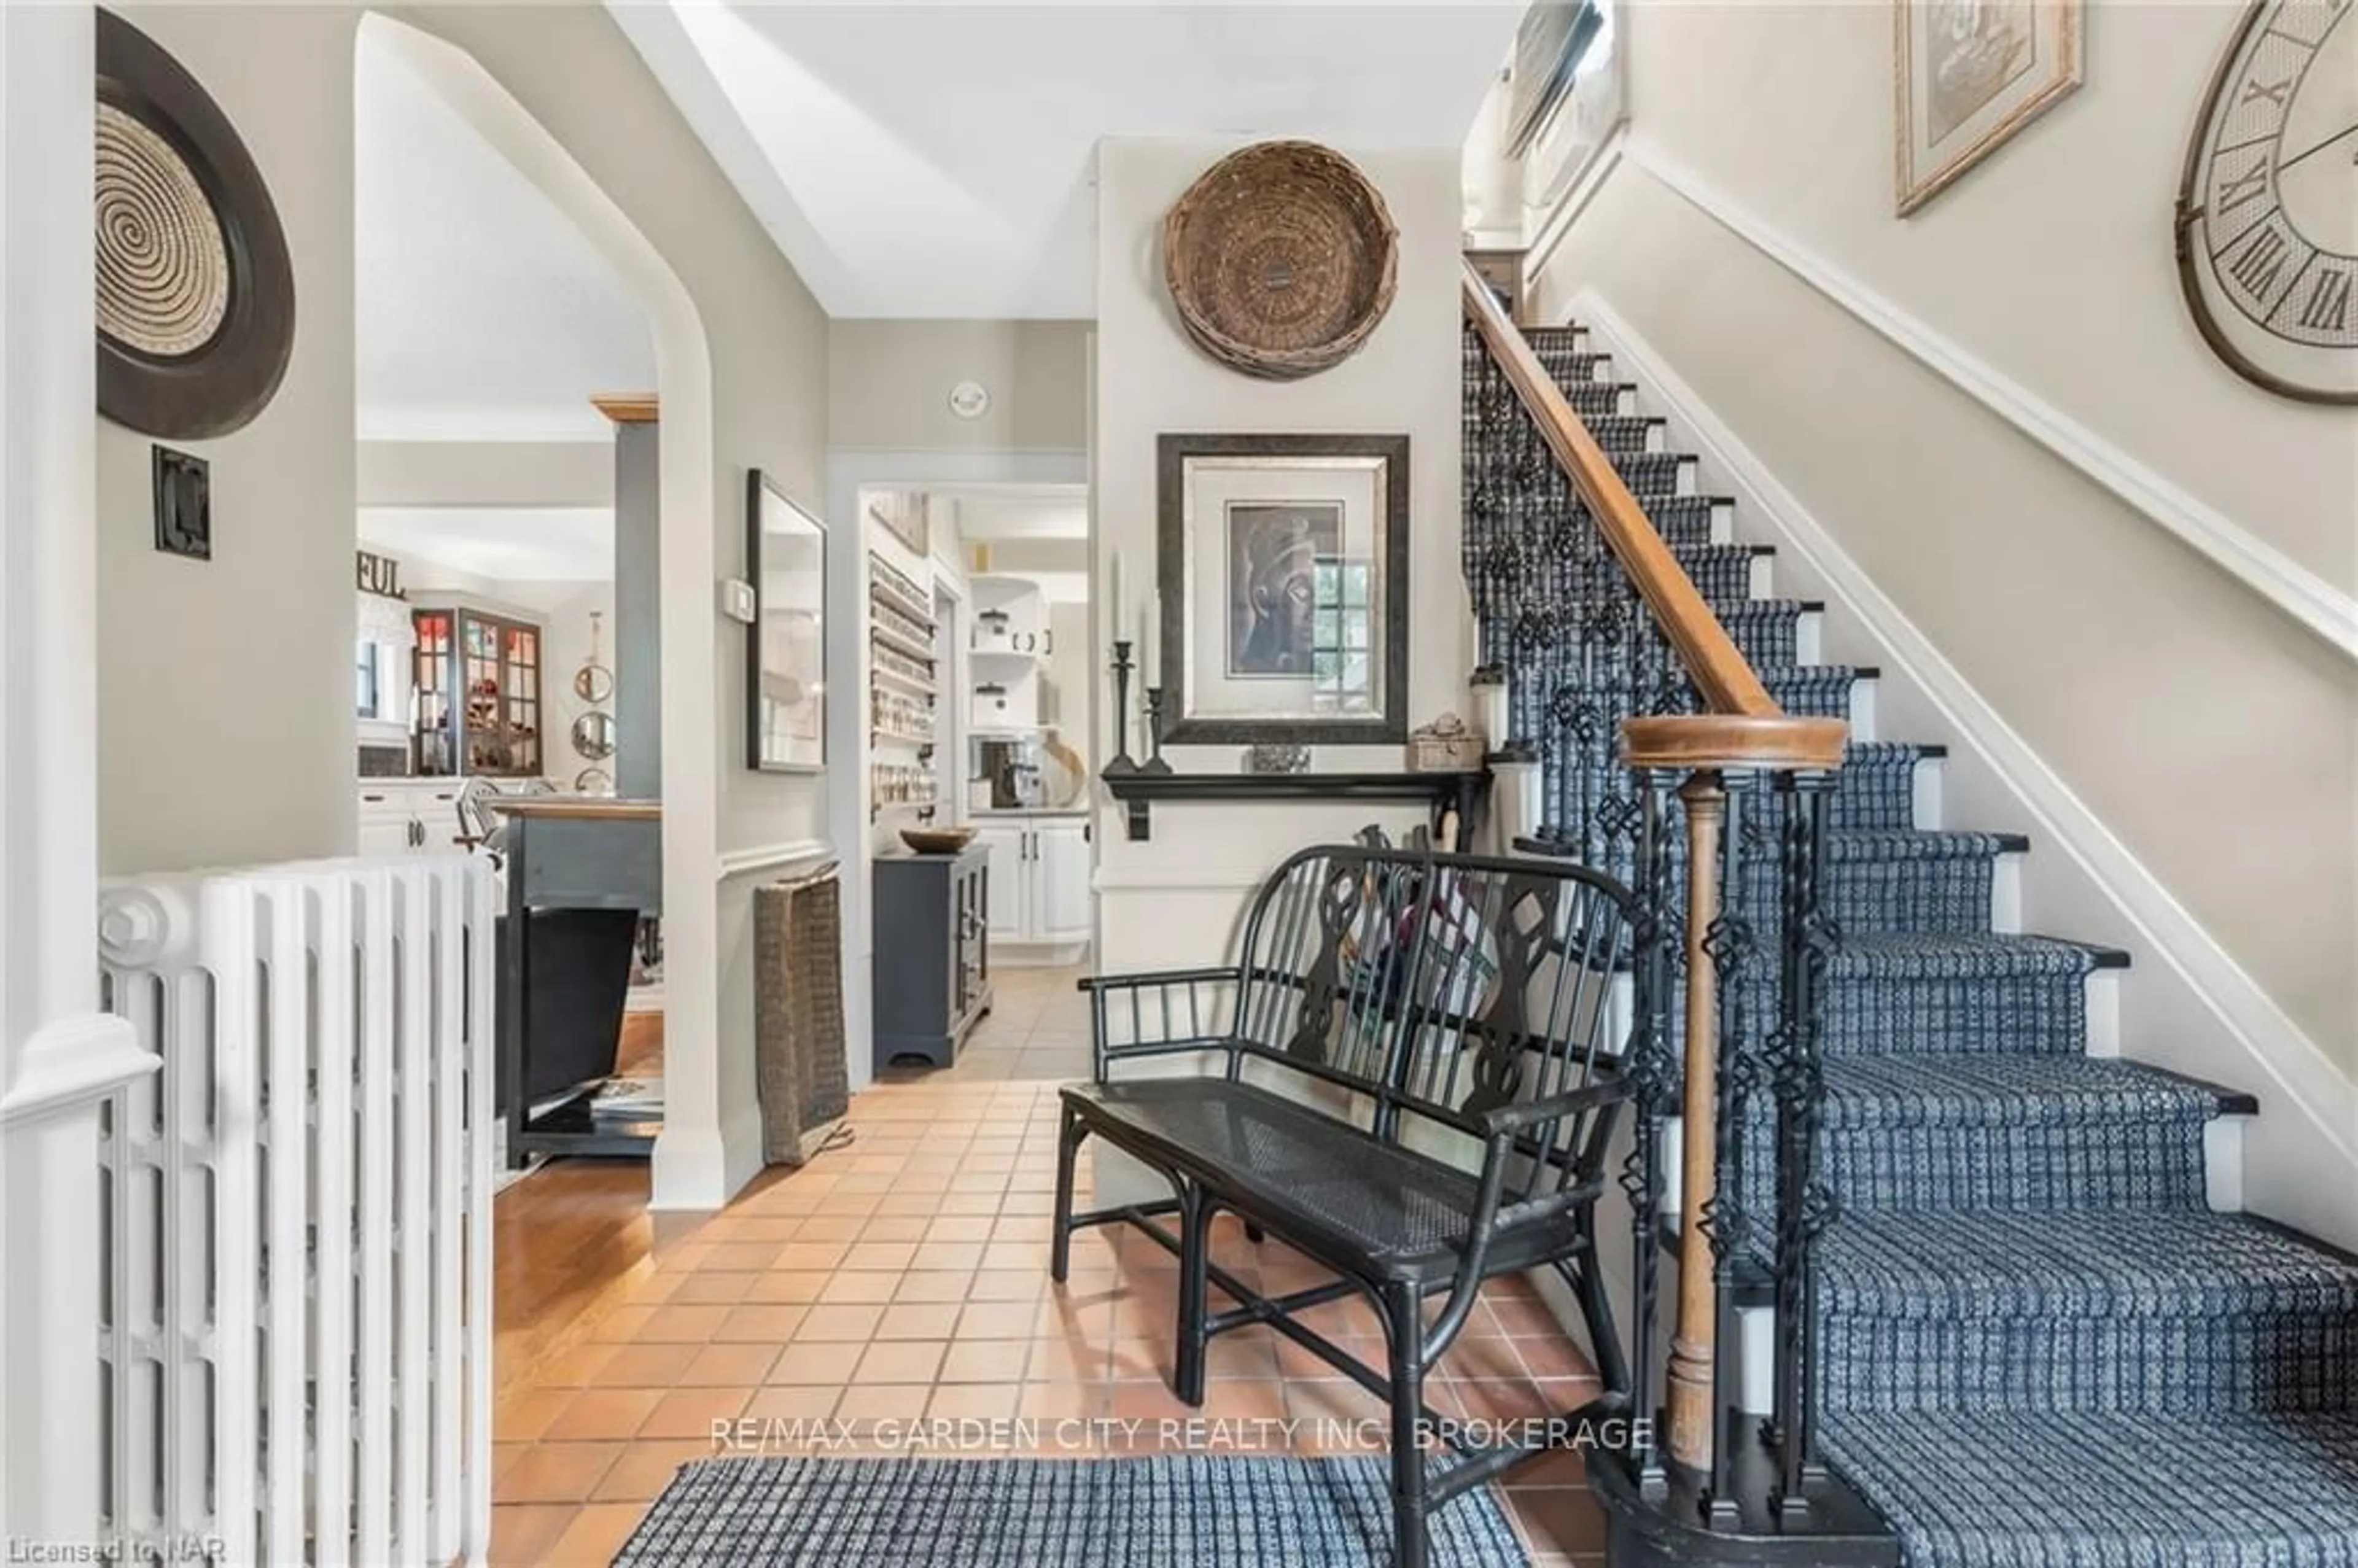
(1389, 1009)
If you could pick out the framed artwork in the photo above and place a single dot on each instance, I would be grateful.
(1549, 45)
(1282, 588)
(1969, 74)
(786, 646)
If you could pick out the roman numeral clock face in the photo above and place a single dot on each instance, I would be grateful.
(2268, 224)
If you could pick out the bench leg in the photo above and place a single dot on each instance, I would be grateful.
(1194, 1269)
(1404, 1331)
(1596, 1312)
(1069, 1134)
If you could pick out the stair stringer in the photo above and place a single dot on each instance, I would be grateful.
(2186, 1004)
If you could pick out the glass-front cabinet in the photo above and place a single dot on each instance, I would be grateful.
(477, 694)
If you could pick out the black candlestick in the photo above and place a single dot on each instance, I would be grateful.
(1155, 762)
(1121, 763)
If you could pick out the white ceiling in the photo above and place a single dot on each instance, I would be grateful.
(483, 313)
(934, 160)
(507, 543)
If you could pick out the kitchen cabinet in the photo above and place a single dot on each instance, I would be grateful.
(1010, 638)
(933, 955)
(1060, 880)
(478, 679)
(1039, 879)
(404, 818)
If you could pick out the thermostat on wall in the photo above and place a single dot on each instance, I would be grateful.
(737, 600)
(969, 400)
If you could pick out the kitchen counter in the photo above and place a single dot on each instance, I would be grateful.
(1031, 812)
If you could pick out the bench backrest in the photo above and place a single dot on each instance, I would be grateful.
(1440, 986)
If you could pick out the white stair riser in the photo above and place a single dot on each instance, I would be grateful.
(1808, 638)
(1862, 709)
(2006, 894)
(1929, 776)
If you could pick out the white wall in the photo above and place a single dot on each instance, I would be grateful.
(486, 473)
(60, 1057)
(1176, 899)
(889, 425)
(2207, 731)
(224, 686)
(566, 609)
(184, 663)
(889, 385)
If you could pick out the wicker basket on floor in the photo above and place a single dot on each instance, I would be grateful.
(800, 1074)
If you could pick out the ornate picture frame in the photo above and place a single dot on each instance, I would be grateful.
(1966, 76)
(1282, 588)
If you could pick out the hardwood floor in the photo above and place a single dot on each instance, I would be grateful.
(569, 1241)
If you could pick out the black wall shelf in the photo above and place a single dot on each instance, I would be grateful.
(1139, 792)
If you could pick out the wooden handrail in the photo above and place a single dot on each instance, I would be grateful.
(1742, 725)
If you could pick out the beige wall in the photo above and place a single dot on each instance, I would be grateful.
(238, 671)
(1176, 898)
(888, 385)
(225, 725)
(2206, 729)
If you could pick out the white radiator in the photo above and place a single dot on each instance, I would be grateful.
(297, 1337)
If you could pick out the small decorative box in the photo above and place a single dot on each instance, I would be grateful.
(1445, 746)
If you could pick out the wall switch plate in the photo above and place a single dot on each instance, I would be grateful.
(182, 483)
(737, 600)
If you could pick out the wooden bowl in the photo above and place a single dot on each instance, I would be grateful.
(936, 840)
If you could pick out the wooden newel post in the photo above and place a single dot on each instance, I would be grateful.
(1694, 1414)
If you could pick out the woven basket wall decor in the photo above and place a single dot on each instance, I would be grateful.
(195, 286)
(1282, 258)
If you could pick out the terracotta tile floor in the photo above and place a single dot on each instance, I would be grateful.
(904, 1278)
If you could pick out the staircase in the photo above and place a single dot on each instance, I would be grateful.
(2035, 1342)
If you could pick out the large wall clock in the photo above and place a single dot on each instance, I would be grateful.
(2267, 214)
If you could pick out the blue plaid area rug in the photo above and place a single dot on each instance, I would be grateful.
(1173, 1510)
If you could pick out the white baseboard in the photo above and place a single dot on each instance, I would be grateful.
(700, 1171)
(2200, 1012)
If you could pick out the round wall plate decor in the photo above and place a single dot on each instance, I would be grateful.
(1281, 259)
(196, 293)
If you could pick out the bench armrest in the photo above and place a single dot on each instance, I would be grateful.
(1507, 1121)
(1108, 983)
(1160, 1013)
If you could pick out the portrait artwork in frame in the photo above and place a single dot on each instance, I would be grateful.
(1282, 588)
(1967, 75)
(786, 646)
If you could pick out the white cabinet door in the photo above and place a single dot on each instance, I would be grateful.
(1008, 871)
(382, 835)
(1060, 881)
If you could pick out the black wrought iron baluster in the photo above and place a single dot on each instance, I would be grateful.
(1803, 1205)
(1649, 1067)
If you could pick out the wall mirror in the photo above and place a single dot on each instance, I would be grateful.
(786, 647)
(593, 735)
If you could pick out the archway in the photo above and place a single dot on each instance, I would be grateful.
(690, 1165)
